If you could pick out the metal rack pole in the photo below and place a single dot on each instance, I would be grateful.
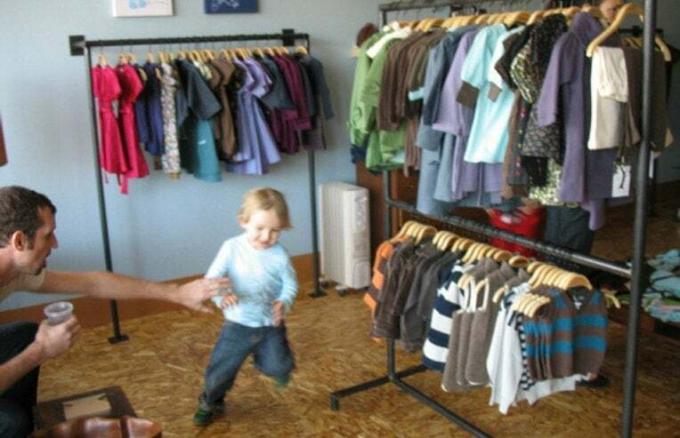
(638, 279)
(394, 376)
(79, 46)
(117, 336)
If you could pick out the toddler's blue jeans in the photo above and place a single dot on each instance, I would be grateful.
(269, 347)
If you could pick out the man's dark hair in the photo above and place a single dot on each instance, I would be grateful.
(19, 212)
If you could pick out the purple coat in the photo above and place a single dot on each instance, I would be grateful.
(565, 82)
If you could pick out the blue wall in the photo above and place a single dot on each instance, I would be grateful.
(165, 228)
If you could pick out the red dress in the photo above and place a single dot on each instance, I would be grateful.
(130, 85)
(106, 89)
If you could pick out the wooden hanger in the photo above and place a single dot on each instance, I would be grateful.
(552, 277)
(538, 274)
(536, 304)
(434, 22)
(502, 255)
(629, 9)
(520, 302)
(122, 58)
(437, 238)
(572, 280)
(535, 16)
(512, 18)
(101, 60)
(470, 252)
(209, 54)
(302, 50)
(402, 231)
(570, 12)
(442, 239)
(611, 298)
(426, 230)
(449, 240)
(518, 261)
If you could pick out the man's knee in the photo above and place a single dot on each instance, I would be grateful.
(15, 337)
(15, 421)
(22, 332)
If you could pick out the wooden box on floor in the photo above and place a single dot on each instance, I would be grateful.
(49, 413)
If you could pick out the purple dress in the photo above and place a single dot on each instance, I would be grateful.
(257, 148)
(480, 183)
(586, 177)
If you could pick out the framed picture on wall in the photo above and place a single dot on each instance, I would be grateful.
(142, 8)
(229, 6)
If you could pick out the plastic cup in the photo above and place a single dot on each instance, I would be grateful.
(58, 312)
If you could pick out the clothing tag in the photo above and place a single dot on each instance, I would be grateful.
(652, 157)
(494, 92)
(621, 182)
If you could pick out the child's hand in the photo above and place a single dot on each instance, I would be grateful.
(228, 300)
(277, 313)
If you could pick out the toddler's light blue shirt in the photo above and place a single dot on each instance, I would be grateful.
(259, 277)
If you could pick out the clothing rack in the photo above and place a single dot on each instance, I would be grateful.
(636, 273)
(80, 46)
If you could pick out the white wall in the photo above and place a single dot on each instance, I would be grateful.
(163, 229)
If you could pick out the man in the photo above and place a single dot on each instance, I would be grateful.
(27, 237)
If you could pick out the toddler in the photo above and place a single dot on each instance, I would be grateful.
(263, 289)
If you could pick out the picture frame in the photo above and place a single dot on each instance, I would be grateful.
(142, 8)
(229, 6)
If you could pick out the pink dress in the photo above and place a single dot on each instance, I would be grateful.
(130, 85)
(106, 89)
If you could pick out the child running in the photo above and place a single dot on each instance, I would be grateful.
(264, 286)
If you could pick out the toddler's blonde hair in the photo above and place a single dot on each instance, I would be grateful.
(264, 198)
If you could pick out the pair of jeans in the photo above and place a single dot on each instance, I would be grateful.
(16, 403)
(269, 347)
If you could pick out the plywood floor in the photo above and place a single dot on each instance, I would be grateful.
(161, 369)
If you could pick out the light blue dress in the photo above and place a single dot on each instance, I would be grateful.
(489, 133)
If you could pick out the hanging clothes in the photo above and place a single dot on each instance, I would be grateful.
(170, 160)
(433, 299)
(130, 85)
(195, 106)
(106, 90)
(257, 150)
(225, 124)
(154, 110)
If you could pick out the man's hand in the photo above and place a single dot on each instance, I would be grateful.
(277, 312)
(54, 340)
(228, 300)
(194, 294)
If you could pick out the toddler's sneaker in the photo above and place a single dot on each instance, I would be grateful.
(203, 418)
(281, 382)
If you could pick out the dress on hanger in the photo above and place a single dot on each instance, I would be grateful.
(106, 90)
(154, 110)
(130, 86)
(170, 159)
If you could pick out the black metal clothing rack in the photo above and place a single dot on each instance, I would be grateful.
(635, 273)
(79, 46)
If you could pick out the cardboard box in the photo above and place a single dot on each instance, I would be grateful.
(93, 405)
